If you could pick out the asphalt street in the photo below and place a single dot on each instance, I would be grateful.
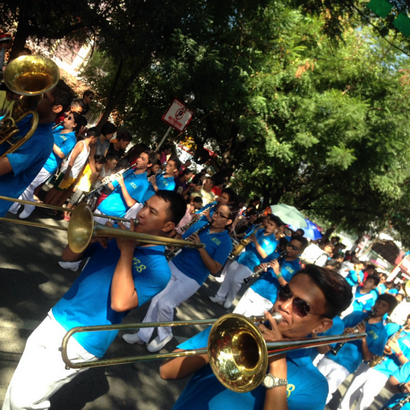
(31, 282)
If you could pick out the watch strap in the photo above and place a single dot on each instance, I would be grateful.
(276, 381)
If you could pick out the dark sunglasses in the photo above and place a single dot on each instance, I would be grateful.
(295, 248)
(299, 306)
(217, 213)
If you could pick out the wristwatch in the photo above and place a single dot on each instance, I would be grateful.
(270, 381)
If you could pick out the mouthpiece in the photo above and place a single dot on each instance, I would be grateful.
(277, 316)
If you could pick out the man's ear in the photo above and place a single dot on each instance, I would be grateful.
(169, 226)
(57, 109)
(324, 324)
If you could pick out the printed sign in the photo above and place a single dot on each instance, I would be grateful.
(177, 115)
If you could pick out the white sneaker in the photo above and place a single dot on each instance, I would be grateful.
(14, 208)
(156, 345)
(70, 265)
(227, 304)
(132, 338)
(215, 300)
(24, 214)
(220, 279)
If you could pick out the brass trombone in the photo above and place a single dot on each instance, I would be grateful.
(30, 76)
(237, 352)
(82, 228)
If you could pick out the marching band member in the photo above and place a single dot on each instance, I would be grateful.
(313, 297)
(120, 276)
(263, 243)
(399, 382)
(189, 269)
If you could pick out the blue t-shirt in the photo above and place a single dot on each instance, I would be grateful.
(26, 161)
(403, 376)
(250, 257)
(114, 204)
(392, 362)
(307, 388)
(66, 142)
(88, 301)
(350, 355)
(337, 329)
(267, 285)
(165, 183)
(364, 301)
(380, 289)
(352, 277)
(189, 261)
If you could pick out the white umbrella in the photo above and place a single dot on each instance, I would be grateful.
(289, 215)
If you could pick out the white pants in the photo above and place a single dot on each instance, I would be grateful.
(252, 304)
(41, 371)
(227, 265)
(28, 194)
(234, 279)
(365, 386)
(335, 375)
(162, 306)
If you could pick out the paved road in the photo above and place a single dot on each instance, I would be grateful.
(31, 283)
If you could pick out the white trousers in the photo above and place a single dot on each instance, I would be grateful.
(234, 279)
(41, 371)
(28, 194)
(335, 375)
(228, 263)
(162, 306)
(365, 386)
(252, 304)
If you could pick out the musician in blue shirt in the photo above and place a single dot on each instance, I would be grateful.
(368, 382)
(312, 297)
(262, 243)
(399, 383)
(119, 277)
(336, 368)
(365, 296)
(189, 270)
(262, 294)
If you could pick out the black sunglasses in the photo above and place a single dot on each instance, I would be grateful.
(299, 306)
(295, 248)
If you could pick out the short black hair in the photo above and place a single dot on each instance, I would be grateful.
(231, 193)
(100, 159)
(108, 128)
(390, 299)
(177, 204)
(166, 146)
(334, 264)
(63, 95)
(186, 171)
(152, 156)
(124, 136)
(375, 279)
(79, 120)
(177, 162)
(336, 290)
(87, 93)
(93, 132)
(301, 239)
(111, 155)
(78, 103)
(198, 199)
(275, 219)
(301, 230)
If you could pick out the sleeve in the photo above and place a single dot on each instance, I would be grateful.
(200, 340)
(68, 145)
(223, 250)
(139, 193)
(403, 373)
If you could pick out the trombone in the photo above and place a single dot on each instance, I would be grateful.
(82, 228)
(237, 352)
(30, 76)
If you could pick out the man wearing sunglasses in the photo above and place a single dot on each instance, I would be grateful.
(336, 368)
(307, 304)
(277, 272)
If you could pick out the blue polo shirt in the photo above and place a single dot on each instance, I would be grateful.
(250, 257)
(189, 261)
(267, 285)
(403, 376)
(352, 277)
(26, 161)
(350, 355)
(307, 389)
(114, 204)
(165, 183)
(380, 289)
(88, 301)
(66, 142)
(364, 301)
(392, 362)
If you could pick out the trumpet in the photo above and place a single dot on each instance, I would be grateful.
(237, 352)
(30, 76)
(82, 228)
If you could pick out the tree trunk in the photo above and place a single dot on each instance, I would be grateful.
(21, 36)
(329, 232)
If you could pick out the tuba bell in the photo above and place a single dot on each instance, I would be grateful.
(30, 76)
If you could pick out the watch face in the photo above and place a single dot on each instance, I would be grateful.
(268, 382)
